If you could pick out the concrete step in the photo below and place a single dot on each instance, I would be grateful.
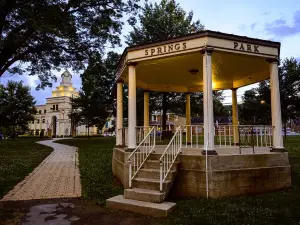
(152, 184)
(156, 156)
(145, 208)
(154, 164)
(154, 173)
(145, 195)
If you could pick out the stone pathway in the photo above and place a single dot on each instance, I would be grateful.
(56, 177)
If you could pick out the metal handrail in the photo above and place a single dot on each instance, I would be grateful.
(169, 156)
(139, 157)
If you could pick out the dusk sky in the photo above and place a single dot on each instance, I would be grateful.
(267, 19)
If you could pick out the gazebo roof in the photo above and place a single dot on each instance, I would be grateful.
(165, 65)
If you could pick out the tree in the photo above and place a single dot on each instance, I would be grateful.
(257, 102)
(16, 106)
(253, 110)
(38, 35)
(161, 21)
(95, 101)
(289, 74)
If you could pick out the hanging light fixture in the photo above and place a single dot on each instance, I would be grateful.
(194, 71)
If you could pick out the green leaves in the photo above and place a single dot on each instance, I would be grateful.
(16, 106)
(95, 101)
(256, 107)
(47, 35)
(160, 21)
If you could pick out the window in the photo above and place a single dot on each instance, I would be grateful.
(45, 111)
(40, 111)
(38, 121)
(32, 121)
(56, 107)
(53, 107)
(43, 120)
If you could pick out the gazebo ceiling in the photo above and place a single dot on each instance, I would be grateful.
(234, 64)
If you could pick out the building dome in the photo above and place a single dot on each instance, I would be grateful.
(66, 78)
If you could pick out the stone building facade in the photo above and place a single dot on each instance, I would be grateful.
(52, 118)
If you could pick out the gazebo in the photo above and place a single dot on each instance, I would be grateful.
(207, 160)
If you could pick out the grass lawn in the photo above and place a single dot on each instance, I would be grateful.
(282, 207)
(17, 159)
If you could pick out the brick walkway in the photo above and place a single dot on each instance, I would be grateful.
(56, 177)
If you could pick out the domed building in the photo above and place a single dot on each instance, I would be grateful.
(52, 118)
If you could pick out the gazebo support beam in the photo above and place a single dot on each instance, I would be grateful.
(131, 106)
(188, 117)
(119, 118)
(208, 112)
(276, 107)
(235, 117)
(146, 111)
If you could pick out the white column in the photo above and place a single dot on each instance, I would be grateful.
(235, 117)
(209, 146)
(276, 107)
(131, 106)
(119, 124)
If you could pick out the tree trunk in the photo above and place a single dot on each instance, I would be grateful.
(284, 125)
(164, 109)
(13, 131)
(88, 128)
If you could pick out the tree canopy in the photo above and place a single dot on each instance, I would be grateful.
(160, 21)
(16, 106)
(256, 107)
(157, 22)
(37, 35)
(95, 101)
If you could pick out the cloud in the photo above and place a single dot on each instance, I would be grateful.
(280, 28)
(252, 26)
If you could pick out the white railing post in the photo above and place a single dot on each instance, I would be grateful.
(180, 138)
(160, 177)
(154, 136)
(130, 172)
(169, 156)
(140, 154)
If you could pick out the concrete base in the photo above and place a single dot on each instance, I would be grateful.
(209, 152)
(145, 208)
(230, 173)
(278, 150)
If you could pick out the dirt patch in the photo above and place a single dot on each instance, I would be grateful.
(65, 211)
